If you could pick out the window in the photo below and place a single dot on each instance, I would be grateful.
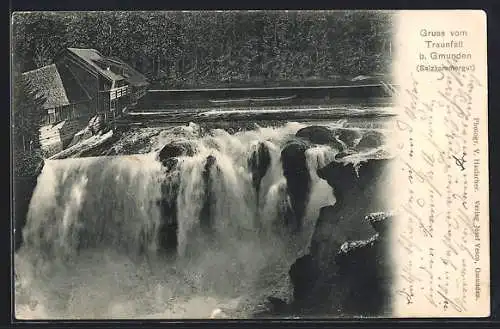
(50, 117)
(112, 105)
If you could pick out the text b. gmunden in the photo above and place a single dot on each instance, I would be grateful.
(452, 56)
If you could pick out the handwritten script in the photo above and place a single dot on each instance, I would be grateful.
(441, 235)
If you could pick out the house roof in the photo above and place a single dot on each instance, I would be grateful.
(130, 74)
(74, 91)
(94, 58)
(112, 68)
(54, 86)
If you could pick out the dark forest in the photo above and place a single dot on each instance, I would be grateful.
(196, 49)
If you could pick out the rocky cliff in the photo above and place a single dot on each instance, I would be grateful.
(347, 271)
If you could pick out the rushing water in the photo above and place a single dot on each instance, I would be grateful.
(91, 243)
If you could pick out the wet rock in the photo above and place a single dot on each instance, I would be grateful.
(348, 271)
(370, 140)
(259, 163)
(175, 149)
(351, 247)
(277, 305)
(363, 271)
(296, 172)
(359, 191)
(320, 135)
(363, 182)
(303, 275)
(168, 210)
(356, 281)
(208, 181)
(209, 164)
(170, 163)
(366, 264)
(316, 134)
(348, 136)
(380, 221)
(322, 243)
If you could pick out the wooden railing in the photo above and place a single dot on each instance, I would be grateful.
(118, 92)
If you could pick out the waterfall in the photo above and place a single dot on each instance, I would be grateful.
(92, 241)
(94, 202)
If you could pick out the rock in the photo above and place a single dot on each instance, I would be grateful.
(364, 269)
(380, 221)
(259, 163)
(358, 191)
(210, 161)
(348, 136)
(366, 264)
(322, 244)
(170, 163)
(356, 282)
(320, 135)
(348, 270)
(303, 275)
(168, 210)
(370, 140)
(350, 247)
(175, 149)
(316, 134)
(277, 305)
(296, 172)
(364, 182)
(206, 211)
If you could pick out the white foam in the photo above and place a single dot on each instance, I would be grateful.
(110, 203)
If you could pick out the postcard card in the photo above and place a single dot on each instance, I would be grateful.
(249, 164)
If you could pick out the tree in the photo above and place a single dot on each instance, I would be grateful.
(192, 49)
(43, 37)
(26, 115)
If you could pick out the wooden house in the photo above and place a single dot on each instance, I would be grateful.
(112, 84)
(67, 107)
(80, 85)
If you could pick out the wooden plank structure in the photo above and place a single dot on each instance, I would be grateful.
(82, 84)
